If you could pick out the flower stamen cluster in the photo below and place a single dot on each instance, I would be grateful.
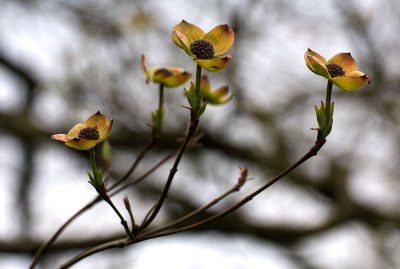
(335, 70)
(202, 49)
(89, 133)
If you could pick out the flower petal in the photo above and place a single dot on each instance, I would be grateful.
(222, 38)
(345, 60)
(74, 132)
(317, 66)
(60, 137)
(205, 85)
(316, 55)
(351, 82)
(190, 31)
(176, 79)
(145, 68)
(214, 64)
(101, 122)
(181, 41)
(81, 144)
(105, 133)
(219, 96)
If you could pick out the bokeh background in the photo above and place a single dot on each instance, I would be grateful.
(61, 61)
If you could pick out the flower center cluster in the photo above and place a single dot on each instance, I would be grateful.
(335, 70)
(202, 49)
(89, 133)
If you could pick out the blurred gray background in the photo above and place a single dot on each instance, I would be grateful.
(61, 61)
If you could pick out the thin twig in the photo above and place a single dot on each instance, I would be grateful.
(107, 199)
(120, 243)
(154, 211)
(48, 243)
(129, 209)
(312, 152)
(97, 199)
(233, 189)
(152, 142)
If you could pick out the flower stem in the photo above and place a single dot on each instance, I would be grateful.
(154, 211)
(328, 102)
(194, 121)
(92, 155)
(161, 106)
(198, 79)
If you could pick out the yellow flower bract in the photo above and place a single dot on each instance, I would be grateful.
(220, 37)
(98, 121)
(351, 80)
(170, 77)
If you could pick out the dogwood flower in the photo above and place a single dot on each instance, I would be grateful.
(170, 77)
(341, 70)
(207, 49)
(84, 136)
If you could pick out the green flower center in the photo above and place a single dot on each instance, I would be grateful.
(89, 133)
(202, 49)
(335, 70)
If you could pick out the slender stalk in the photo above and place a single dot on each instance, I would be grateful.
(194, 121)
(123, 221)
(312, 152)
(103, 193)
(129, 209)
(113, 244)
(195, 212)
(152, 142)
(161, 98)
(44, 247)
(191, 132)
(198, 80)
(126, 241)
(328, 101)
(92, 155)
(39, 253)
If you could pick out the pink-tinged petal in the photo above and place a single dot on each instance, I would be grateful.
(145, 68)
(351, 83)
(214, 64)
(221, 38)
(317, 66)
(60, 137)
(345, 60)
(181, 41)
(190, 31)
